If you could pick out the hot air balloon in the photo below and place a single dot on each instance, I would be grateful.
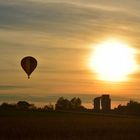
(28, 64)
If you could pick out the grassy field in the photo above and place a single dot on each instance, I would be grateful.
(67, 126)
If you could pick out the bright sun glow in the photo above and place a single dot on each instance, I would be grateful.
(113, 60)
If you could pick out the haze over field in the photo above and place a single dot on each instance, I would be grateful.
(62, 35)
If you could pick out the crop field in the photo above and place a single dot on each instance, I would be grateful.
(67, 126)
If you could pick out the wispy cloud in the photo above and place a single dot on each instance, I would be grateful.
(51, 17)
(10, 87)
(58, 34)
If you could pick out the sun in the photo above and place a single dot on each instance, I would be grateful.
(113, 60)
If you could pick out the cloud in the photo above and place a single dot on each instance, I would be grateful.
(58, 34)
(10, 87)
(51, 17)
(79, 19)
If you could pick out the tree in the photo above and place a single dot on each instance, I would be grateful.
(7, 106)
(62, 104)
(76, 103)
(65, 104)
(48, 107)
(132, 108)
(23, 105)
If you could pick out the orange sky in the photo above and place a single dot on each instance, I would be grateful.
(59, 34)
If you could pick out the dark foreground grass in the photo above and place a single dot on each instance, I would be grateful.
(67, 126)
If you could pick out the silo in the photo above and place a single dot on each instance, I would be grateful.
(106, 103)
(97, 104)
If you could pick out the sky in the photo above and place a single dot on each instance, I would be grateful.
(61, 35)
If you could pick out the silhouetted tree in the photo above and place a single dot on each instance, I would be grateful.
(62, 104)
(132, 108)
(48, 107)
(7, 106)
(23, 105)
(59, 103)
(65, 104)
(75, 103)
(121, 109)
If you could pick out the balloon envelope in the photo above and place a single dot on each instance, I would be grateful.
(29, 64)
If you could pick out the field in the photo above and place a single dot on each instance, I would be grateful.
(67, 126)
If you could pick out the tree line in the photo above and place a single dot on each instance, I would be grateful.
(75, 104)
(61, 104)
(131, 108)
